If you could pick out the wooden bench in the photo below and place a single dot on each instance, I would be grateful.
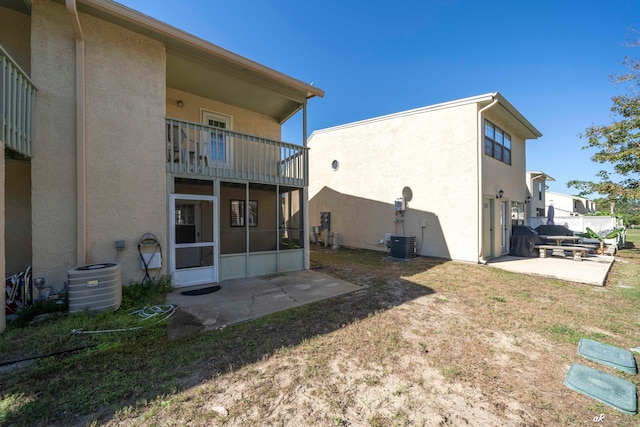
(578, 251)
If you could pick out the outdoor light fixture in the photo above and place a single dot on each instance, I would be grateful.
(180, 103)
(528, 200)
(500, 194)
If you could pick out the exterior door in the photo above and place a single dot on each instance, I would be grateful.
(193, 239)
(504, 230)
(487, 228)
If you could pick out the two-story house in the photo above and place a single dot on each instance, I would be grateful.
(537, 202)
(450, 175)
(117, 126)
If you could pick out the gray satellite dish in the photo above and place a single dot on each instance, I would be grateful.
(407, 194)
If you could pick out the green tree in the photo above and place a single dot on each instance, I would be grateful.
(618, 143)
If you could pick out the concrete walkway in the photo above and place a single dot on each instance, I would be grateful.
(244, 299)
(592, 270)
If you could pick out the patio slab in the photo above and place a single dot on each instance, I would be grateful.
(592, 270)
(239, 300)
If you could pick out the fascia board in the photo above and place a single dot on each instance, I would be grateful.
(183, 41)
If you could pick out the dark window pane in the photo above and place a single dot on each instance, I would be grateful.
(507, 156)
(488, 147)
(498, 152)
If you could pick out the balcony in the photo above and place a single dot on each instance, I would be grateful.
(198, 150)
(17, 101)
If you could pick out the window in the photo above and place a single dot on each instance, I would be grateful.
(539, 191)
(238, 213)
(218, 152)
(517, 213)
(497, 143)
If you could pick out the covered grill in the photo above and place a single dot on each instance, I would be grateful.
(523, 241)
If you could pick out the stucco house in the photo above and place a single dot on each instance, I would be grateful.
(536, 193)
(115, 125)
(567, 204)
(451, 175)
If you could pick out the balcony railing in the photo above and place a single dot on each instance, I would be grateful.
(17, 102)
(196, 149)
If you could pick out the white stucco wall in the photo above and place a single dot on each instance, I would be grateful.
(566, 204)
(433, 152)
(126, 179)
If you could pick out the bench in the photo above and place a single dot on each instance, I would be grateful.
(578, 251)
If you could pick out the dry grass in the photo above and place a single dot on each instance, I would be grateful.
(426, 342)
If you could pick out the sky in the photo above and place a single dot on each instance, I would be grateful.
(551, 59)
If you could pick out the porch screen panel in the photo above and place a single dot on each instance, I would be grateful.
(262, 217)
(291, 219)
(233, 232)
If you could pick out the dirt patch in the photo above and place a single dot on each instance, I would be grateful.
(430, 343)
(424, 342)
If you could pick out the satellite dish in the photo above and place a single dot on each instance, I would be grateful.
(407, 194)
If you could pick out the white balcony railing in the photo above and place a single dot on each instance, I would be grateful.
(17, 103)
(196, 149)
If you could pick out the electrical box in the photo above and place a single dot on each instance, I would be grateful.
(325, 220)
(400, 204)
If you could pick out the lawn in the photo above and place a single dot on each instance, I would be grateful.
(425, 342)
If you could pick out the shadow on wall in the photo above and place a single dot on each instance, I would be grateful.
(363, 223)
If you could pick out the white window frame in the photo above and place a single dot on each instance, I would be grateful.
(228, 121)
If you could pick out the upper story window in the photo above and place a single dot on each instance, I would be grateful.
(497, 143)
(539, 190)
(216, 144)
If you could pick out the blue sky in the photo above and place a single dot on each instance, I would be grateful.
(551, 59)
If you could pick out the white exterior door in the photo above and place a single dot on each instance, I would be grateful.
(193, 238)
(504, 231)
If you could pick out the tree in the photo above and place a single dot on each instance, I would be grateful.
(618, 144)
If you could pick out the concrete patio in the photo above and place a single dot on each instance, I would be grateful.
(248, 298)
(592, 270)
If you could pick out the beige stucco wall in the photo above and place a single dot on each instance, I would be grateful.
(15, 31)
(53, 162)
(537, 197)
(511, 179)
(498, 175)
(433, 152)
(126, 179)
(18, 215)
(243, 121)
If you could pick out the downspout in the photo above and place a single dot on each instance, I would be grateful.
(481, 259)
(305, 191)
(81, 162)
